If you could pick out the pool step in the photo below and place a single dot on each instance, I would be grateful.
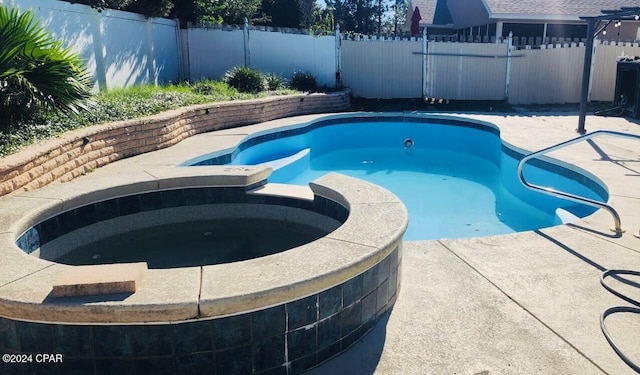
(296, 164)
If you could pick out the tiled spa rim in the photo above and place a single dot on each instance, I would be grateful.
(281, 313)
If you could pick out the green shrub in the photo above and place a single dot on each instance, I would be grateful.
(36, 72)
(209, 87)
(245, 79)
(274, 81)
(303, 81)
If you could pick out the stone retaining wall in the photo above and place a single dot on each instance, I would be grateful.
(81, 151)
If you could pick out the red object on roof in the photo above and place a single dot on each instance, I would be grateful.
(415, 22)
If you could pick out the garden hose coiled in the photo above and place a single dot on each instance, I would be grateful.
(619, 309)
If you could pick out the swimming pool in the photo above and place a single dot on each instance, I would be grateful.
(458, 178)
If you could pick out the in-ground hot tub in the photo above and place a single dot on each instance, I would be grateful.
(183, 227)
(284, 310)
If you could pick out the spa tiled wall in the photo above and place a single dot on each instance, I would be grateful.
(284, 339)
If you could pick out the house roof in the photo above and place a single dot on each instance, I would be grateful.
(464, 13)
(433, 12)
(568, 8)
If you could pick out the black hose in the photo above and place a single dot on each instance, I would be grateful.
(613, 310)
(608, 273)
(619, 309)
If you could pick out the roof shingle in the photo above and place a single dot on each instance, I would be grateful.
(557, 7)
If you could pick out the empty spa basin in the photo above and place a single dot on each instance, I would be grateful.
(196, 243)
(179, 228)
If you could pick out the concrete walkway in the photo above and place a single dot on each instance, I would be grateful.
(515, 304)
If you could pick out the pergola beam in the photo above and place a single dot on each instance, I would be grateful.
(623, 14)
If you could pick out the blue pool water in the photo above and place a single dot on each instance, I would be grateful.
(458, 180)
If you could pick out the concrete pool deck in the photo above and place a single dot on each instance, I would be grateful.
(524, 303)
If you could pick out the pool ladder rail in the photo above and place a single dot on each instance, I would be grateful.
(617, 228)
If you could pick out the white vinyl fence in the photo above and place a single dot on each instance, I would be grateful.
(382, 69)
(120, 48)
(546, 76)
(124, 49)
(479, 71)
(210, 52)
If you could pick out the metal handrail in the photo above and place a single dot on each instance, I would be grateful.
(572, 197)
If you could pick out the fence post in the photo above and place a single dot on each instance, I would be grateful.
(247, 54)
(181, 48)
(508, 77)
(596, 42)
(98, 52)
(424, 62)
(151, 63)
(338, 57)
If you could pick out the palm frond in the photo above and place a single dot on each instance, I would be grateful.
(36, 71)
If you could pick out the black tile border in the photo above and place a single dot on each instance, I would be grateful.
(68, 221)
(258, 342)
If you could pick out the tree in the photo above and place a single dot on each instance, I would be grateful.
(36, 71)
(322, 20)
(355, 15)
(286, 13)
(306, 11)
(201, 11)
(400, 9)
(150, 8)
(102, 4)
(215, 11)
(281, 13)
(235, 11)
